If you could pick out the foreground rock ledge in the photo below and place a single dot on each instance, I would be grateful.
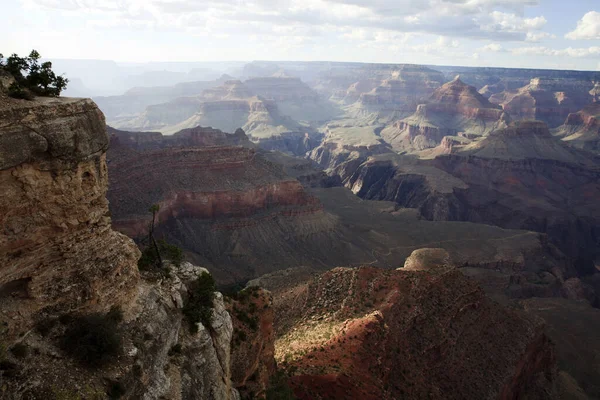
(57, 248)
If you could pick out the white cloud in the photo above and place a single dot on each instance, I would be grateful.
(457, 18)
(441, 45)
(537, 36)
(588, 27)
(568, 52)
(498, 21)
(492, 48)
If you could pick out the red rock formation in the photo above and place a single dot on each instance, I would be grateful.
(582, 129)
(199, 182)
(455, 108)
(517, 178)
(375, 334)
(548, 100)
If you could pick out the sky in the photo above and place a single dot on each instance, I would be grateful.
(505, 33)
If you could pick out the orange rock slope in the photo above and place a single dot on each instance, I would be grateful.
(375, 334)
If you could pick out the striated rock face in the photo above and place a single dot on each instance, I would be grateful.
(57, 248)
(455, 109)
(548, 100)
(376, 334)
(206, 182)
(582, 129)
(201, 368)
(197, 182)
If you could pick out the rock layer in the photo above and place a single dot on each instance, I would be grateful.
(548, 100)
(582, 129)
(57, 248)
(455, 109)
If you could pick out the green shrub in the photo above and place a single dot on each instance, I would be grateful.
(18, 92)
(200, 303)
(251, 322)
(150, 260)
(31, 77)
(93, 339)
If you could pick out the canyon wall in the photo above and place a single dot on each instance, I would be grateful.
(64, 267)
(57, 247)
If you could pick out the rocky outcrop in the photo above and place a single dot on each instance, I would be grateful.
(396, 96)
(548, 100)
(57, 248)
(455, 109)
(281, 89)
(136, 99)
(192, 137)
(378, 334)
(582, 129)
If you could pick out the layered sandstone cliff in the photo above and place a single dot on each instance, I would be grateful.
(548, 100)
(207, 183)
(582, 129)
(455, 109)
(57, 248)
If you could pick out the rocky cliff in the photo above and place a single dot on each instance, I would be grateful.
(424, 331)
(582, 129)
(57, 248)
(64, 268)
(455, 109)
(548, 100)
(263, 107)
(202, 177)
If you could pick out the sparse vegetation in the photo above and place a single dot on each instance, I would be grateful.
(31, 78)
(94, 339)
(154, 251)
(279, 388)
(199, 307)
(250, 321)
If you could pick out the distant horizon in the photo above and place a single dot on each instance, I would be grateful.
(124, 63)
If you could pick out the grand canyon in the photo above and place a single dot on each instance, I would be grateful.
(301, 230)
